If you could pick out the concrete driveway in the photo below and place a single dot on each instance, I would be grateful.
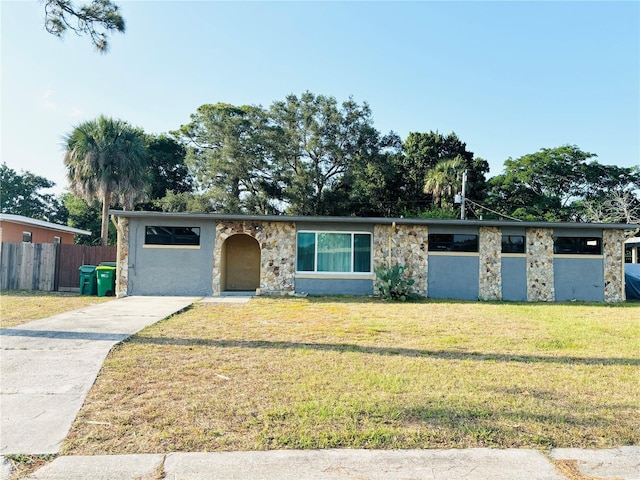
(48, 366)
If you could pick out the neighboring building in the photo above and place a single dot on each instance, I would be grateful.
(633, 245)
(17, 229)
(210, 254)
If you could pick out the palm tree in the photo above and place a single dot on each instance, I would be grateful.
(106, 157)
(444, 179)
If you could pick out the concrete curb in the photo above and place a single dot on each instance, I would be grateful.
(470, 464)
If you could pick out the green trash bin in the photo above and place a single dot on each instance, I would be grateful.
(88, 284)
(106, 278)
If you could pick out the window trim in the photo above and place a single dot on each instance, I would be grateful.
(172, 245)
(453, 252)
(324, 274)
(524, 244)
(582, 251)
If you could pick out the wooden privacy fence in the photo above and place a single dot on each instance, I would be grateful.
(48, 267)
(28, 266)
(71, 257)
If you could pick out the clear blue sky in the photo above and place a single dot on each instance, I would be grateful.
(509, 78)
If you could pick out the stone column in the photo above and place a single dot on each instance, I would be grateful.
(277, 269)
(122, 256)
(277, 242)
(404, 245)
(490, 263)
(613, 251)
(540, 280)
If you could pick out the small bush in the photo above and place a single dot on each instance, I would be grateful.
(393, 285)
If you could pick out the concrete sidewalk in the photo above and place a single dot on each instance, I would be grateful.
(49, 365)
(468, 464)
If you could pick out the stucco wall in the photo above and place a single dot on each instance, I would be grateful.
(454, 276)
(514, 278)
(170, 270)
(578, 279)
(334, 286)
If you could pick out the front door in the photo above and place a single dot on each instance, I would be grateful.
(242, 263)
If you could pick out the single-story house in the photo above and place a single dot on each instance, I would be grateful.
(214, 254)
(18, 228)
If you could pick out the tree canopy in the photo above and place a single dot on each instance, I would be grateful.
(313, 155)
(20, 195)
(553, 184)
(287, 158)
(104, 158)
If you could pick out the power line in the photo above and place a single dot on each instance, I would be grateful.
(492, 211)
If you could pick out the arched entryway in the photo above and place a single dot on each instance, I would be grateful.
(240, 263)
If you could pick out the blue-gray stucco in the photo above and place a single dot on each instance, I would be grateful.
(453, 277)
(334, 286)
(514, 279)
(579, 279)
(170, 271)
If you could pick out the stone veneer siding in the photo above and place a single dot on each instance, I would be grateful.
(122, 257)
(540, 284)
(490, 257)
(613, 251)
(277, 242)
(408, 246)
(277, 269)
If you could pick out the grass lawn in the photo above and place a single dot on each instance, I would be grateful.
(21, 306)
(361, 373)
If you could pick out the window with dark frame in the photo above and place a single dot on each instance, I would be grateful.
(513, 244)
(174, 236)
(577, 245)
(453, 242)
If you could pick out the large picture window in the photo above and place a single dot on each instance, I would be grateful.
(336, 252)
(178, 236)
(577, 245)
(453, 242)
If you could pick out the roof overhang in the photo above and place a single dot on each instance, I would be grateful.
(368, 220)
(22, 220)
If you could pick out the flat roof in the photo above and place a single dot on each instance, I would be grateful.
(369, 220)
(7, 217)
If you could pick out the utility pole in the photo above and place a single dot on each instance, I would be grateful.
(464, 187)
